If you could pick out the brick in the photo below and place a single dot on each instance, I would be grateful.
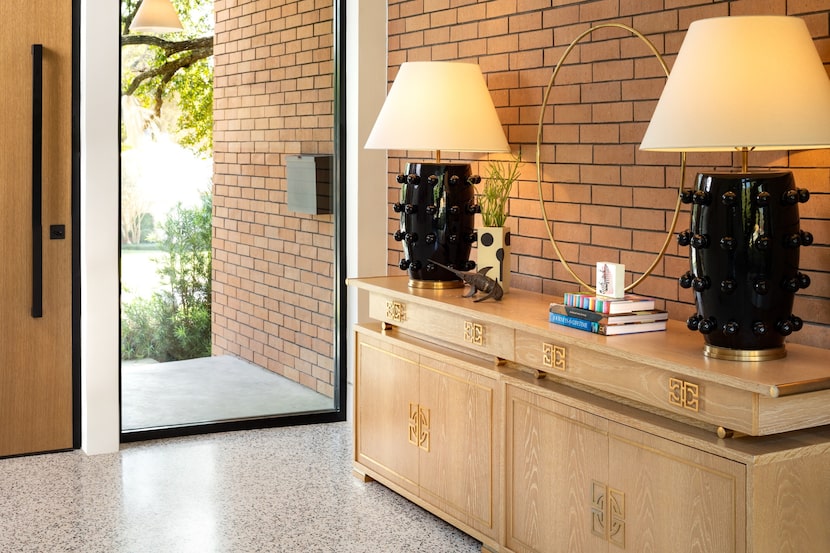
(540, 39)
(599, 133)
(494, 27)
(641, 176)
(614, 154)
(525, 22)
(658, 22)
(634, 7)
(464, 32)
(497, 8)
(600, 174)
(599, 10)
(611, 237)
(796, 7)
(603, 50)
(616, 70)
(475, 12)
(686, 16)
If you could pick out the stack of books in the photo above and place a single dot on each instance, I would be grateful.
(608, 316)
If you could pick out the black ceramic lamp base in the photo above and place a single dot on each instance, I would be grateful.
(745, 241)
(437, 209)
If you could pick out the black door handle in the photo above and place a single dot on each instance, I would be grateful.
(37, 180)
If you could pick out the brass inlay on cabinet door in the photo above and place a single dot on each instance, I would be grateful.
(419, 426)
(598, 509)
(423, 428)
(608, 513)
(616, 517)
(414, 421)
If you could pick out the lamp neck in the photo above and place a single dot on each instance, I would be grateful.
(745, 159)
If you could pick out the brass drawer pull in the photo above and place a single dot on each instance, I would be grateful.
(474, 333)
(395, 311)
(684, 394)
(553, 356)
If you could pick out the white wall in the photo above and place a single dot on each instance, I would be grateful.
(366, 179)
(366, 197)
(100, 351)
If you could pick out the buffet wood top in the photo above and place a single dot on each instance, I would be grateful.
(804, 369)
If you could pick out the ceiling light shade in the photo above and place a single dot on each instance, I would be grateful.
(439, 106)
(754, 82)
(156, 16)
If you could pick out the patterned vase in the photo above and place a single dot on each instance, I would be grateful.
(494, 251)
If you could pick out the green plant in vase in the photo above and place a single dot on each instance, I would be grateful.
(495, 193)
(494, 238)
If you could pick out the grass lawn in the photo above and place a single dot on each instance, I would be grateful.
(138, 273)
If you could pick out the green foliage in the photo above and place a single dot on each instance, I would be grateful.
(171, 75)
(496, 191)
(174, 323)
(194, 86)
(148, 224)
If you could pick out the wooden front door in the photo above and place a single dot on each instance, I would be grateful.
(36, 227)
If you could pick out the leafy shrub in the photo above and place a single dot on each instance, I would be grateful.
(174, 323)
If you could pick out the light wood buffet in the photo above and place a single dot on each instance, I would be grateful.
(538, 438)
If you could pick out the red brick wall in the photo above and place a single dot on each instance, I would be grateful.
(612, 201)
(273, 269)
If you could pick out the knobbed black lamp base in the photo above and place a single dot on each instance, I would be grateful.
(437, 208)
(745, 240)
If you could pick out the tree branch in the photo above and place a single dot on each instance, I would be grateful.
(167, 69)
(170, 47)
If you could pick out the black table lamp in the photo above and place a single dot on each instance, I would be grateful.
(435, 107)
(744, 83)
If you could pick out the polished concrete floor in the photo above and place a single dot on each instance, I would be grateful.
(219, 388)
(277, 490)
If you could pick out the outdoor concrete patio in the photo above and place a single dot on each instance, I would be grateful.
(210, 389)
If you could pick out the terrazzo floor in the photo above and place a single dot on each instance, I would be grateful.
(276, 490)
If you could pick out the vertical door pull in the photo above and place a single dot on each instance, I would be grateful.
(37, 180)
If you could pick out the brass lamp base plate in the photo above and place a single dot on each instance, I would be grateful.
(716, 352)
(435, 284)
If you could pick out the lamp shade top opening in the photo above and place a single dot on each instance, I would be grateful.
(743, 82)
(156, 16)
(439, 106)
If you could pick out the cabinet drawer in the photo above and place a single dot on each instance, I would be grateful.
(455, 328)
(657, 387)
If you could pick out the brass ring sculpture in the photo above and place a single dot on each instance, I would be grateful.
(539, 165)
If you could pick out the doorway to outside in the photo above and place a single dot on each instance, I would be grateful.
(230, 301)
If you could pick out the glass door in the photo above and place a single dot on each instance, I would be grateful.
(233, 239)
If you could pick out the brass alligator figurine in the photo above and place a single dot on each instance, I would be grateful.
(478, 281)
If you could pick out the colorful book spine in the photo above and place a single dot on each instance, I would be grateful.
(605, 329)
(627, 304)
(641, 316)
(573, 322)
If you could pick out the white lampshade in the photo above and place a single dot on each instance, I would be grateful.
(439, 106)
(156, 16)
(752, 82)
